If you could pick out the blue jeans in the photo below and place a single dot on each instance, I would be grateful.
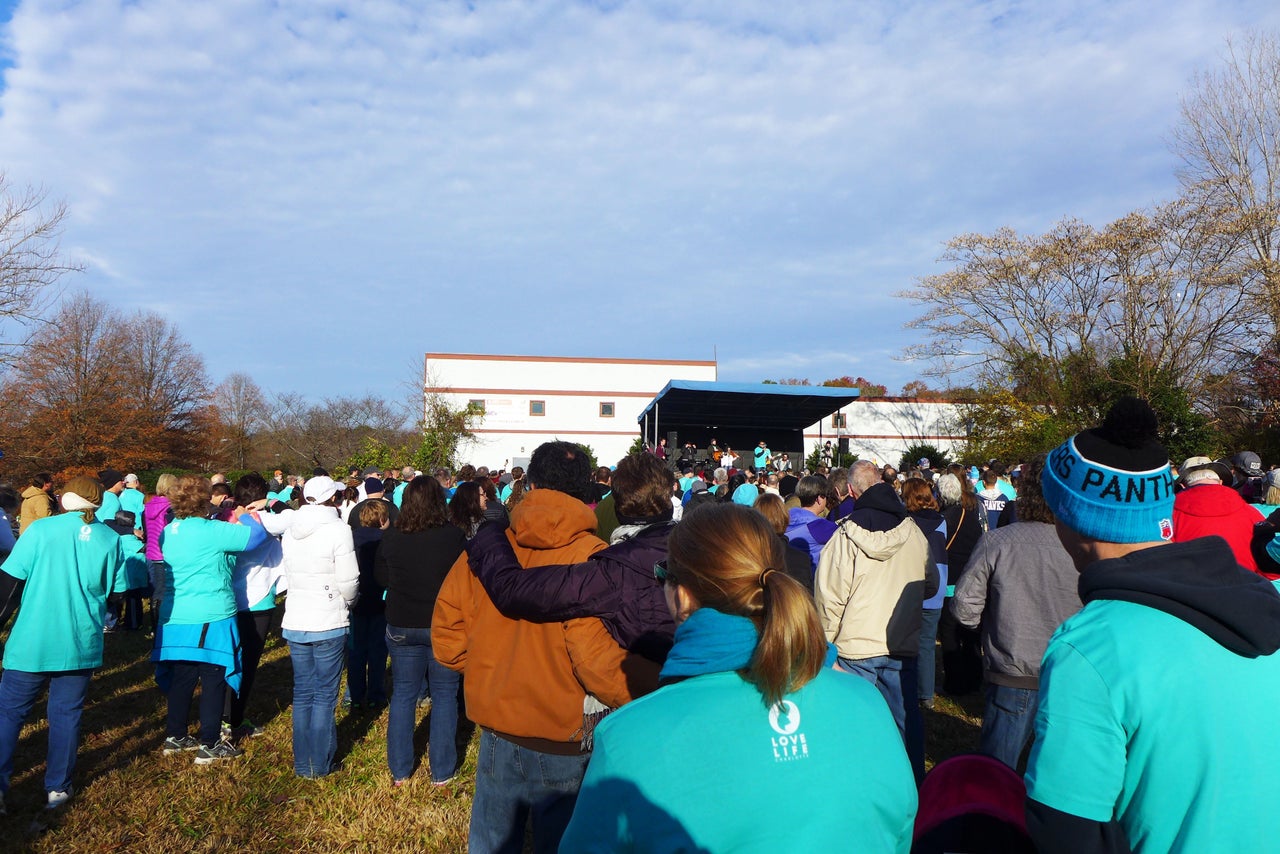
(928, 647)
(411, 660)
(18, 692)
(895, 676)
(1008, 722)
(514, 781)
(367, 664)
(317, 672)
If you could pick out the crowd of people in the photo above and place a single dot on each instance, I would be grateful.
(701, 653)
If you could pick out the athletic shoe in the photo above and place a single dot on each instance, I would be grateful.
(219, 751)
(442, 782)
(398, 784)
(57, 799)
(177, 745)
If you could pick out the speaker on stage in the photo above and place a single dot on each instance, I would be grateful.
(673, 441)
(844, 446)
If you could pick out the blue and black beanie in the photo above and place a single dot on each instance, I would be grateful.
(1113, 483)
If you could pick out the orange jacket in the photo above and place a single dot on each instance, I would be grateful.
(524, 679)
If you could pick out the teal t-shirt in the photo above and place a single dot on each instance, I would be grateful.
(398, 494)
(107, 510)
(137, 569)
(761, 457)
(133, 501)
(1146, 720)
(703, 765)
(200, 556)
(70, 568)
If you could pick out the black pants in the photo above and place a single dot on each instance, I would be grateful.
(253, 627)
(961, 655)
(182, 688)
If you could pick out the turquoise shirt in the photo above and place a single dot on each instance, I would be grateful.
(703, 765)
(200, 556)
(107, 510)
(1146, 720)
(70, 568)
(397, 494)
(133, 501)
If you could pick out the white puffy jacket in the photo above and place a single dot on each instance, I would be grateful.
(320, 564)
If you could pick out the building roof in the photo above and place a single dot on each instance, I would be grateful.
(762, 406)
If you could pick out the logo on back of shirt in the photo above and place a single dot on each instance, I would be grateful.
(789, 743)
(85, 533)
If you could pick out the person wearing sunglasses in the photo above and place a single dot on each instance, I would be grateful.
(754, 742)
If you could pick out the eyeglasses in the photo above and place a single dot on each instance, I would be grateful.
(663, 573)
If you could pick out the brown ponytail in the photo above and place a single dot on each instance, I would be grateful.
(729, 558)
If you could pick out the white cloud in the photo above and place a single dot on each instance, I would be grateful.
(558, 177)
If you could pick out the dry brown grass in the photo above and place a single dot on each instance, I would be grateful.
(130, 798)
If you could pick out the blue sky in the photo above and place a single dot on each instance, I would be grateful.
(317, 193)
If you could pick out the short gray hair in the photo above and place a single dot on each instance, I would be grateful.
(950, 490)
(863, 475)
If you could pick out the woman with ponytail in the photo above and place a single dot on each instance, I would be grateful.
(753, 742)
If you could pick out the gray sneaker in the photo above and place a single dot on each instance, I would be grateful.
(177, 745)
(222, 750)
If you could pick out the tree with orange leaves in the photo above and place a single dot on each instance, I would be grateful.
(97, 389)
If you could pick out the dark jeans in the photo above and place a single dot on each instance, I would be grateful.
(182, 688)
(961, 655)
(1008, 722)
(253, 627)
(367, 661)
(18, 693)
(411, 660)
(514, 782)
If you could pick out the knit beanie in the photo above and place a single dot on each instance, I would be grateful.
(1113, 483)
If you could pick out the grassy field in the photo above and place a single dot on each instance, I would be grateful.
(130, 798)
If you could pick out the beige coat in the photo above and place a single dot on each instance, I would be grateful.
(869, 588)
(36, 504)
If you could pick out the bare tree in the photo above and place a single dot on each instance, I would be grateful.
(31, 260)
(241, 410)
(1229, 143)
(330, 433)
(1153, 292)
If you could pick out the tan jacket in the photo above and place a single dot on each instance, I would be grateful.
(869, 589)
(529, 680)
(36, 504)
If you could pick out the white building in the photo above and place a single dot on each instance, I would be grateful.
(528, 400)
(881, 429)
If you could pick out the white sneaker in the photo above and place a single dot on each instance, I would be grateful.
(57, 799)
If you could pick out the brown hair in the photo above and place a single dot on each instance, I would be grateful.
(373, 514)
(774, 511)
(728, 557)
(642, 487)
(917, 494)
(422, 506)
(516, 495)
(1031, 504)
(189, 496)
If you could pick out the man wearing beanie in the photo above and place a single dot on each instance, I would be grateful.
(1143, 691)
